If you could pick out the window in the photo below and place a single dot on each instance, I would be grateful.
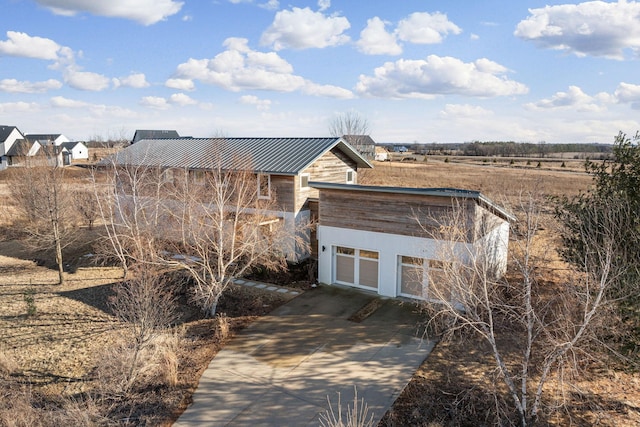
(264, 186)
(197, 176)
(304, 180)
(349, 177)
(358, 267)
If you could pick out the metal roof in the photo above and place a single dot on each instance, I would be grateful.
(283, 156)
(437, 192)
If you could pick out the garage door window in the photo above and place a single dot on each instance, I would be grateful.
(358, 267)
(423, 278)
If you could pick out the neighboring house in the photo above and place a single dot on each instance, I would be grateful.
(382, 155)
(8, 136)
(284, 166)
(370, 237)
(76, 150)
(363, 143)
(20, 150)
(47, 138)
(154, 134)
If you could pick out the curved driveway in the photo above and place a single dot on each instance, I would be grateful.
(281, 369)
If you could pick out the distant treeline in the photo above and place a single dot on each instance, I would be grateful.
(509, 148)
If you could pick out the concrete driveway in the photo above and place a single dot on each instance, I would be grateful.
(280, 370)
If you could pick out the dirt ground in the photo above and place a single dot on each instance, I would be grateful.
(51, 336)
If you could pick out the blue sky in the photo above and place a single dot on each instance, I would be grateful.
(424, 71)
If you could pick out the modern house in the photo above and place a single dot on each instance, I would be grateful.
(367, 237)
(382, 155)
(284, 166)
(8, 136)
(141, 134)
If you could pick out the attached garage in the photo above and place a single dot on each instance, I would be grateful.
(355, 267)
(369, 237)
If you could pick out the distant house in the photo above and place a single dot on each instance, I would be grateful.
(154, 134)
(47, 138)
(20, 150)
(363, 143)
(382, 155)
(77, 150)
(8, 136)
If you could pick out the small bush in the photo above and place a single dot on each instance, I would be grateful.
(539, 165)
(354, 416)
(30, 302)
(563, 165)
(446, 160)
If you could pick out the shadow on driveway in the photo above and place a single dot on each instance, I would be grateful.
(281, 370)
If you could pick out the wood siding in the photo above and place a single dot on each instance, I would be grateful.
(403, 214)
(332, 166)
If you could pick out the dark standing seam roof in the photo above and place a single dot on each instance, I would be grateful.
(141, 134)
(285, 156)
(5, 131)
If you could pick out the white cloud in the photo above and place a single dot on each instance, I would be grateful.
(437, 75)
(19, 107)
(260, 104)
(24, 45)
(270, 5)
(85, 80)
(574, 98)
(324, 5)
(241, 68)
(146, 12)
(627, 92)
(594, 28)
(303, 28)
(328, 91)
(180, 84)
(464, 110)
(15, 86)
(375, 40)
(181, 99)
(426, 28)
(155, 102)
(135, 80)
(62, 102)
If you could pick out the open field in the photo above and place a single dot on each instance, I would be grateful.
(54, 351)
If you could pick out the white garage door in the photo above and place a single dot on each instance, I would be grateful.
(422, 278)
(356, 267)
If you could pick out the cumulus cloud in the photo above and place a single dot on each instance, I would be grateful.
(375, 40)
(180, 84)
(155, 102)
(594, 28)
(324, 4)
(62, 102)
(15, 86)
(241, 68)
(627, 92)
(18, 107)
(85, 80)
(426, 28)
(574, 98)
(464, 110)
(435, 75)
(260, 104)
(303, 28)
(328, 91)
(181, 99)
(146, 12)
(135, 80)
(24, 45)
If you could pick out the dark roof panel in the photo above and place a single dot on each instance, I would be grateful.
(286, 156)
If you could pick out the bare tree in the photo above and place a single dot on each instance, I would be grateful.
(548, 326)
(212, 224)
(355, 130)
(44, 199)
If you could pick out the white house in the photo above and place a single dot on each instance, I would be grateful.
(47, 138)
(382, 155)
(77, 150)
(8, 136)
